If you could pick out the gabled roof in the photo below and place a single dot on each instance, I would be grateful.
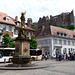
(27, 28)
(54, 31)
(12, 21)
(42, 32)
(3, 16)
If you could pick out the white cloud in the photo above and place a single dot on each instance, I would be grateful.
(36, 8)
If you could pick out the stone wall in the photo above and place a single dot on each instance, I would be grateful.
(66, 19)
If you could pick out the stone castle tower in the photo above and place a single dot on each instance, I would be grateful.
(29, 22)
(43, 21)
(66, 19)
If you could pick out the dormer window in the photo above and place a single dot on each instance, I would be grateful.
(18, 23)
(65, 34)
(25, 25)
(7, 19)
(69, 35)
(58, 33)
(61, 34)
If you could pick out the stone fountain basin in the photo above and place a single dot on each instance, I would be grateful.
(21, 60)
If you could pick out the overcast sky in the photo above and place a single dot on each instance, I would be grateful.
(36, 8)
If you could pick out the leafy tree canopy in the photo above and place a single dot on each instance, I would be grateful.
(33, 43)
(35, 27)
(54, 25)
(63, 26)
(72, 27)
(8, 41)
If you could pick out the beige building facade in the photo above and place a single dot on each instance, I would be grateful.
(58, 40)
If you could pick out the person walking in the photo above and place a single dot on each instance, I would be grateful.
(66, 57)
(43, 57)
(74, 56)
(60, 57)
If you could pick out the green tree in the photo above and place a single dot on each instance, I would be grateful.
(72, 27)
(33, 43)
(63, 26)
(8, 41)
(35, 27)
(54, 25)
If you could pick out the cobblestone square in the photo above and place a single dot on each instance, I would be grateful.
(55, 68)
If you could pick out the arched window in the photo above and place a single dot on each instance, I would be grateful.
(65, 50)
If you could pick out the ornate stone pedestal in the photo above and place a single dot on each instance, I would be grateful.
(22, 52)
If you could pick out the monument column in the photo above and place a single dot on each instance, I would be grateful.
(22, 52)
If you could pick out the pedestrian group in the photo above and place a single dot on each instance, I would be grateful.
(65, 56)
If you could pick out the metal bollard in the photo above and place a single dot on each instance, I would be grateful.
(5, 60)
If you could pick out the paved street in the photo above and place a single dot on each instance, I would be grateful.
(55, 68)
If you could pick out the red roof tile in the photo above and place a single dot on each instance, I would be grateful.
(54, 31)
(3, 15)
(42, 33)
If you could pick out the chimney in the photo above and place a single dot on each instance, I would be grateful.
(16, 18)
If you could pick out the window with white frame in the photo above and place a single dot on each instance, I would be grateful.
(1, 26)
(72, 42)
(45, 41)
(16, 31)
(10, 28)
(55, 41)
(64, 42)
(60, 41)
(7, 19)
(68, 42)
(38, 42)
(4, 27)
(49, 41)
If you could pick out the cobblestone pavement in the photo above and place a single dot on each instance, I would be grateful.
(55, 68)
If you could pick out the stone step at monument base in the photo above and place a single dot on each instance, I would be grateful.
(21, 65)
